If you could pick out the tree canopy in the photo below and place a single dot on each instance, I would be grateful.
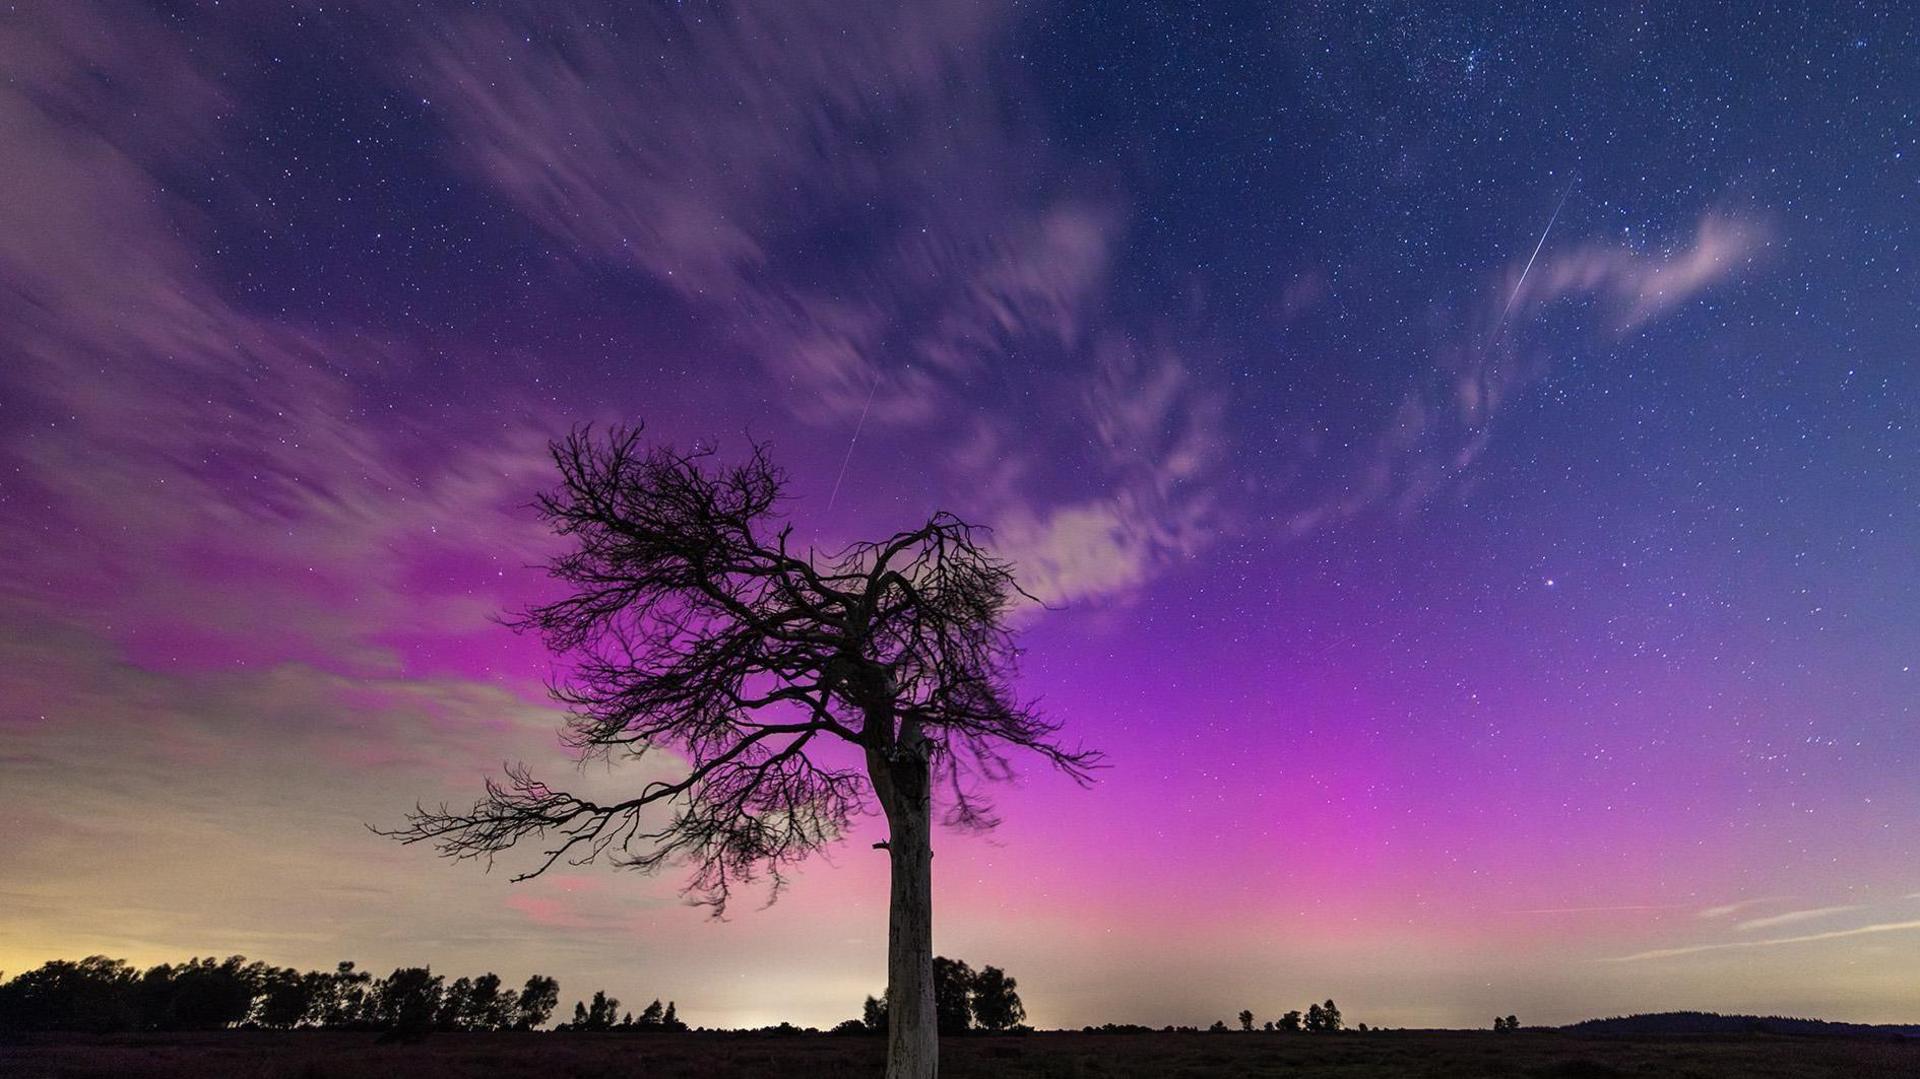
(692, 623)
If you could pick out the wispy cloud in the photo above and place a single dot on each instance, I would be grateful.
(824, 179)
(1603, 910)
(695, 148)
(829, 185)
(1736, 907)
(1156, 426)
(197, 438)
(1792, 916)
(1428, 444)
(1642, 285)
(1693, 949)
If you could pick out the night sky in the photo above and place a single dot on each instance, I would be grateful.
(1472, 452)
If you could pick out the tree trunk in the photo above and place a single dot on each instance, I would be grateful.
(913, 1043)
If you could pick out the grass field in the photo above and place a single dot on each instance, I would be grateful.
(322, 1055)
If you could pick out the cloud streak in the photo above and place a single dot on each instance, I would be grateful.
(843, 191)
(1726, 909)
(1623, 907)
(1641, 286)
(1792, 916)
(191, 440)
(1838, 934)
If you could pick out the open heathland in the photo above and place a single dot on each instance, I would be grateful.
(1377, 1055)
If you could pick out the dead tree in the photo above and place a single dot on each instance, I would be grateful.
(693, 625)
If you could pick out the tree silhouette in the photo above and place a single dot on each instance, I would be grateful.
(602, 1014)
(488, 1008)
(952, 994)
(94, 994)
(1316, 1018)
(408, 1001)
(455, 1005)
(693, 625)
(1246, 1019)
(1329, 1016)
(200, 994)
(343, 996)
(996, 1000)
(873, 1014)
(537, 1000)
(1290, 1021)
(289, 998)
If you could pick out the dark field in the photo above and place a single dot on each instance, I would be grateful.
(323, 1055)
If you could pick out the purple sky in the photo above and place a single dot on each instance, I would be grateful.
(1485, 607)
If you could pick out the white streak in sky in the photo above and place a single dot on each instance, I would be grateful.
(856, 437)
(1665, 953)
(1515, 294)
(1794, 916)
(1740, 905)
(1602, 910)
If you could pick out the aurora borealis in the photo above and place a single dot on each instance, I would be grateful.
(1470, 455)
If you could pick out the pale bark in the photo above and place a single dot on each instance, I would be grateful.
(901, 780)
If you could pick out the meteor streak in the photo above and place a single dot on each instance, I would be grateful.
(1515, 294)
(844, 461)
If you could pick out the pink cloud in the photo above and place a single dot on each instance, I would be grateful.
(1642, 286)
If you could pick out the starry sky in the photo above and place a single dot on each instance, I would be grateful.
(1472, 452)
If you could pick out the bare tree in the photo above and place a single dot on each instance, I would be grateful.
(692, 624)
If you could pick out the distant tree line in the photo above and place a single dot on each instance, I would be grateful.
(1322, 1018)
(600, 1015)
(101, 995)
(964, 1000)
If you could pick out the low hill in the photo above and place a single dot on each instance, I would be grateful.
(1715, 1023)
